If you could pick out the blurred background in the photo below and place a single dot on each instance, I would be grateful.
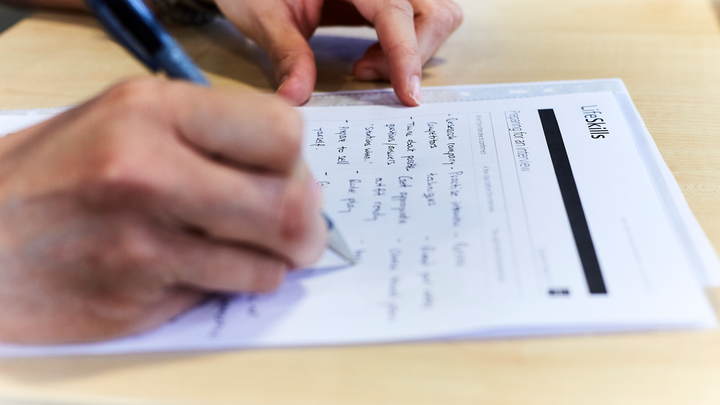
(9, 16)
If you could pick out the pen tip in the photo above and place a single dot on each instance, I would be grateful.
(337, 244)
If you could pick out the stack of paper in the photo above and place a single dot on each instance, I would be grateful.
(488, 211)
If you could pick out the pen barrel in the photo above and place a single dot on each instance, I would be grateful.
(178, 65)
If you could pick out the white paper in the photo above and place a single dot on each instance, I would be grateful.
(457, 218)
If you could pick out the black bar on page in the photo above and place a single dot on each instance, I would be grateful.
(573, 205)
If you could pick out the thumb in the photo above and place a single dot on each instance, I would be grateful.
(292, 59)
(295, 70)
(272, 26)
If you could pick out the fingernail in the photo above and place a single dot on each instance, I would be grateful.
(367, 75)
(414, 89)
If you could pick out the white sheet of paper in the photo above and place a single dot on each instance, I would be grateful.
(471, 219)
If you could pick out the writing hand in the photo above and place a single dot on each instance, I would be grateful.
(409, 33)
(126, 211)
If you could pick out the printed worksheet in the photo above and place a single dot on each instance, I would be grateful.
(468, 219)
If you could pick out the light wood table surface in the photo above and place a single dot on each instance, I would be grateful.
(666, 51)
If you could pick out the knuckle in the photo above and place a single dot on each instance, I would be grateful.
(118, 155)
(401, 6)
(133, 247)
(268, 274)
(456, 13)
(113, 179)
(282, 54)
(113, 167)
(118, 262)
(141, 96)
(446, 16)
(287, 128)
(404, 49)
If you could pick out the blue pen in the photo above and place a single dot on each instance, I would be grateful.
(132, 24)
(135, 27)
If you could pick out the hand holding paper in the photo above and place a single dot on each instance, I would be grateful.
(409, 33)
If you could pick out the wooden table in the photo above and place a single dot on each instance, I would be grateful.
(666, 51)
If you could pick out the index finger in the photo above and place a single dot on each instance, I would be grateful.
(250, 130)
(395, 26)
